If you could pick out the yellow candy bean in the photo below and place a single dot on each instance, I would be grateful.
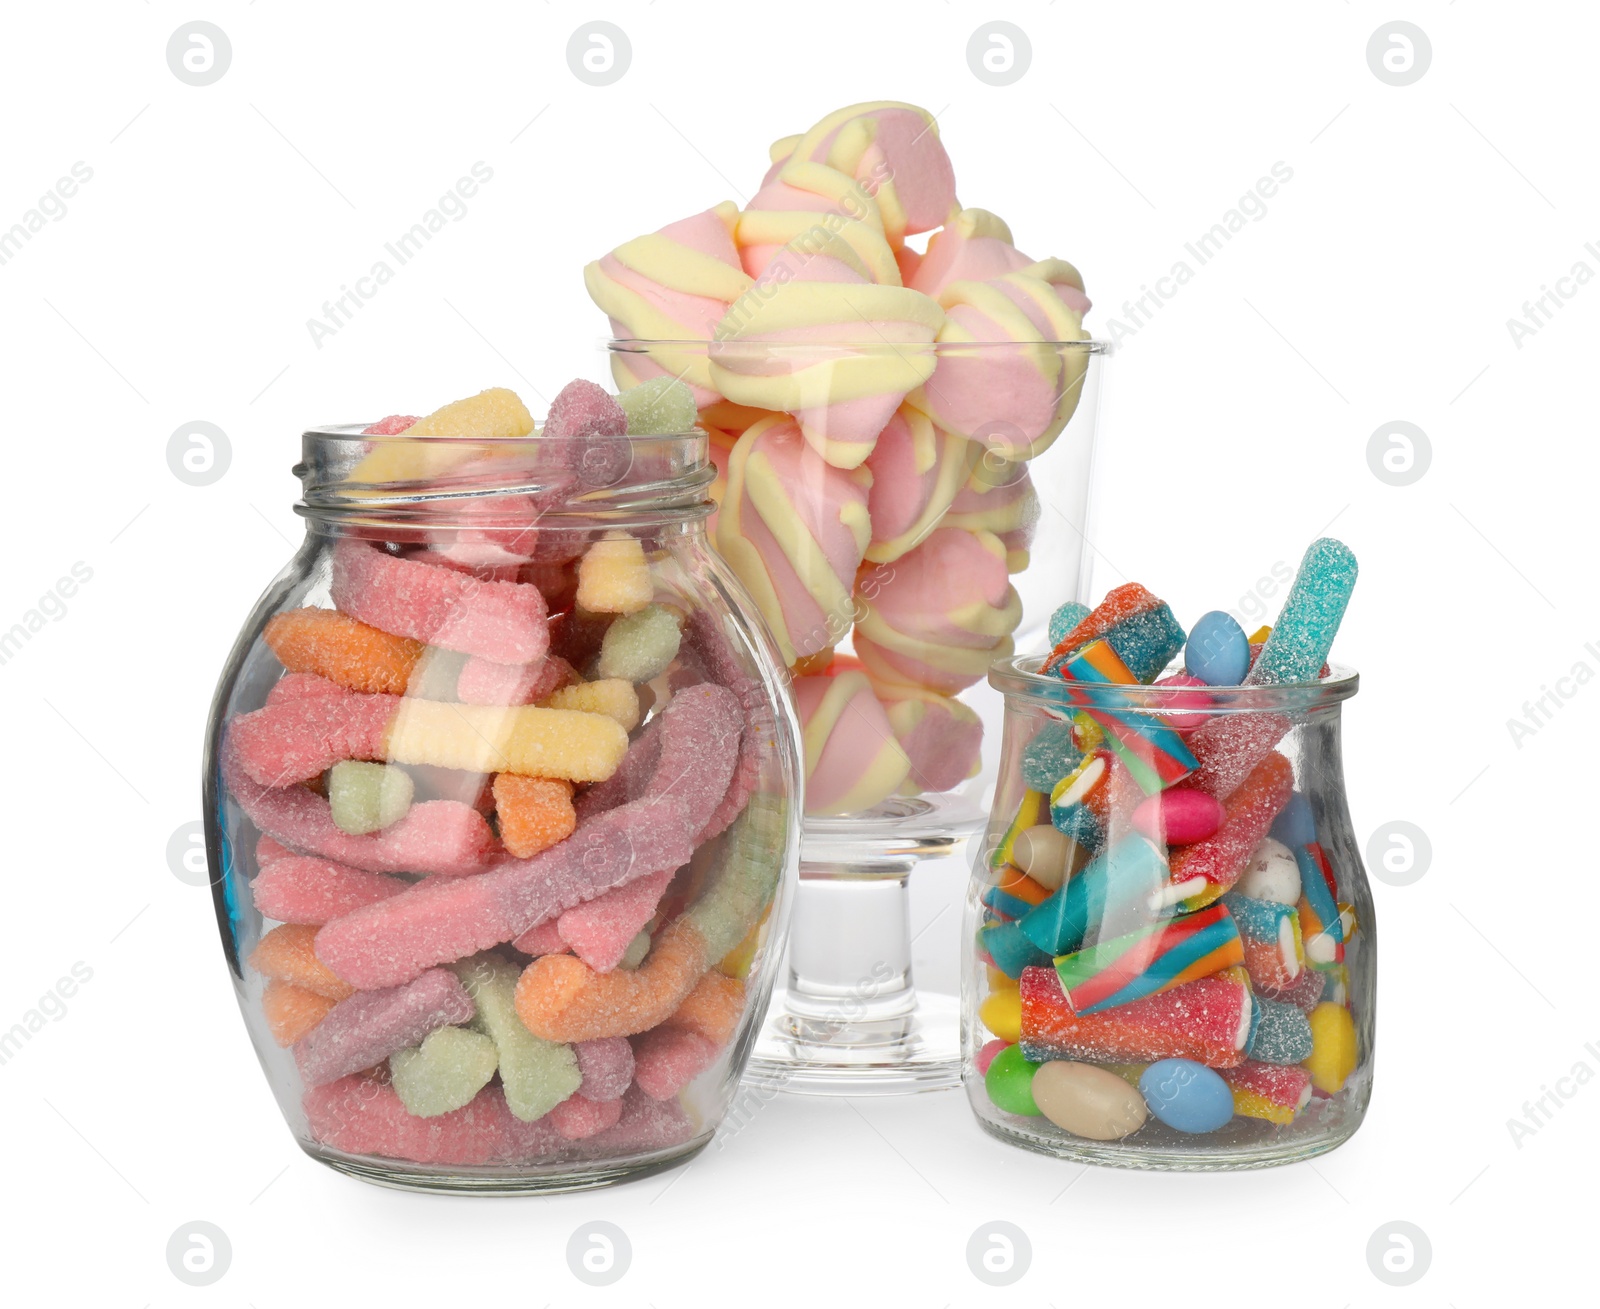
(1001, 1013)
(1334, 1050)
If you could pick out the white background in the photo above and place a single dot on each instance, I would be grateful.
(1376, 288)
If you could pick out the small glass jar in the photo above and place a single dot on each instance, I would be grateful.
(1177, 978)
(500, 810)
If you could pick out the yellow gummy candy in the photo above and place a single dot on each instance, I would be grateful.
(1334, 1052)
(998, 981)
(614, 577)
(495, 413)
(1001, 1013)
(1260, 635)
(525, 739)
(611, 696)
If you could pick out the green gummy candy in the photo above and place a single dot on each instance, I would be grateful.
(743, 886)
(1009, 1082)
(660, 407)
(443, 1073)
(634, 955)
(537, 1074)
(641, 645)
(367, 797)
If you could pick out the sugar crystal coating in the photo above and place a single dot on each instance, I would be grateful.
(444, 1073)
(659, 406)
(640, 646)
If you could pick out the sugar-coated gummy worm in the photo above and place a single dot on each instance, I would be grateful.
(502, 621)
(442, 920)
(611, 696)
(436, 836)
(343, 650)
(370, 1026)
(534, 812)
(667, 1059)
(292, 1011)
(1206, 1020)
(305, 889)
(563, 999)
(578, 1119)
(599, 931)
(1202, 872)
(607, 1067)
(288, 954)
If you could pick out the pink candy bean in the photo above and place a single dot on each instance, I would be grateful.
(1178, 817)
(305, 889)
(502, 621)
(1189, 703)
(371, 1025)
(391, 942)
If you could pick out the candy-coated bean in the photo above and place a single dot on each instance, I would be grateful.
(1187, 1096)
(1088, 1101)
(1001, 1013)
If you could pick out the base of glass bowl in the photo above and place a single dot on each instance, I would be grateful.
(1243, 1144)
(536, 1179)
(850, 1020)
(917, 1051)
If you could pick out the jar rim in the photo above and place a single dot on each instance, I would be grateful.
(659, 478)
(1019, 678)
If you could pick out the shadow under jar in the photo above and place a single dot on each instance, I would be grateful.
(903, 512)
(499, 806)
(1172, 978)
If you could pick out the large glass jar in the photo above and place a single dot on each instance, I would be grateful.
(1179, 978)
(500, 808)
(903, 512)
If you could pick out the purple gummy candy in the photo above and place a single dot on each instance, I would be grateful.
(607, 1067)
(371, 1025)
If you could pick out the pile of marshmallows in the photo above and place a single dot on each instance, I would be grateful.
(874, 481)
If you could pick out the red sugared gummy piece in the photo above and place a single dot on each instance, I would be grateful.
(606, 1065)
(582, 408)
(502, 621)
(393, 425)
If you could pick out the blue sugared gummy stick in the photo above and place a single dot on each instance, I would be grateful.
(1303, 635)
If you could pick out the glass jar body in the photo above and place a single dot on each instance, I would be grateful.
(499, 809)
(1168, 983)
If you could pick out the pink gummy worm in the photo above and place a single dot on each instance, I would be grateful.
(438, 922)
(305, 889)
(360, 1116)
(542, 938)
(667, 1059)
(599, 931)
(689, 750)
(436, 836)
(1230, 746)
(709, 646)
(371, 1025)
(578, 1118)
(482, 681)
(503, 621)
(296, 738)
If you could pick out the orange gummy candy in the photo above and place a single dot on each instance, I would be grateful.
(288, 954)
(560, 998)
(292, 1011)
(534, 812)
(338, 647)
(712, 1009)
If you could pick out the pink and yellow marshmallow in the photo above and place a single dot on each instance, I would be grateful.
(795, 530)
(673, 285)
(935, 618)
(853, 760)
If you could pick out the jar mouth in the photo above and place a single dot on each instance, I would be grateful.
(346, 474)
(1019, 679)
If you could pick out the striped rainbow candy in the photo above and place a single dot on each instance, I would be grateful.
(1153, 959)
(1319, 910)
(1155, 755)
(1034, 810)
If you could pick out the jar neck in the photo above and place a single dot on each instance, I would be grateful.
(362, 482)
